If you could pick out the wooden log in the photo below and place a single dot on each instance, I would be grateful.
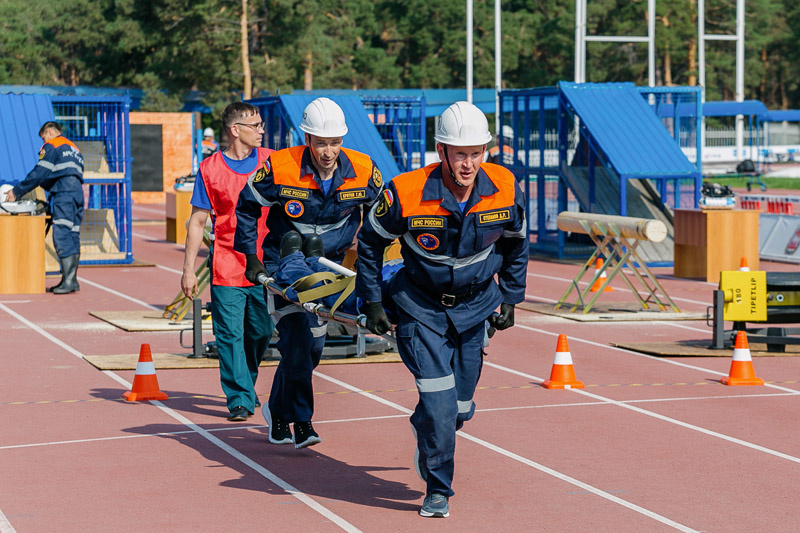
(598, 224)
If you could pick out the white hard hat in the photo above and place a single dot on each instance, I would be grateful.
(508, 131)
(323, 118)
(208, 132)
(463, 124)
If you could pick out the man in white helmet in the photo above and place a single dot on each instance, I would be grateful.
(209, 144)
(460, 223)
(317, 193)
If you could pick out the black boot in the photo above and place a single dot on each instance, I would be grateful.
(69, 271)
(290, 242)
(313, 246)
(60, 283)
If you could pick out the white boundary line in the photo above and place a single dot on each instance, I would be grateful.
(523, 460)
(389, 417)
(637, 354)
(554, 278)
(5, 525)
(658, 416)
(121, 295)
(307, 500)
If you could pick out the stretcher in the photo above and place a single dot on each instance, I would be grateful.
(343, 281)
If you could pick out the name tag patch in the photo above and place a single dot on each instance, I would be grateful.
(427, 222)
(357, 194)
(290, 192)
(494, 216)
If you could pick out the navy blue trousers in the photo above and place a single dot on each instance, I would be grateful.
(66, 209)
(446, 369)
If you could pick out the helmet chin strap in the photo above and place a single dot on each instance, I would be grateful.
(450, 168)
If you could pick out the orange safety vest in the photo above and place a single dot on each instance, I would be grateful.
(223, 186)
(286, 169)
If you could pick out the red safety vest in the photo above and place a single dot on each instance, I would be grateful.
(223, 187)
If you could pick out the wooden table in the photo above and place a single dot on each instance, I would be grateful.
(22, 258)
(178, 212)
(708, 241)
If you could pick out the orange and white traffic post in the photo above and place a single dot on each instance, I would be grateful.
(145, 382)
(562, 376)
(743, 266)
(598, 265)
(742, 371)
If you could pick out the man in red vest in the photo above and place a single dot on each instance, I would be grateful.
(242, 325)
(459, 223)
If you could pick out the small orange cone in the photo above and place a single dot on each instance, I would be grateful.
(563, 374)
(145, 382)
(742, 372)
(743, 266)
(599, 283)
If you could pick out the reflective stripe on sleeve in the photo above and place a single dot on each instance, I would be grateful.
(63, 166)
(378, 228)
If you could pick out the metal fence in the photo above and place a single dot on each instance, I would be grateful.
(100, 127)
(401, 124)
(400, 121)
(529, 143)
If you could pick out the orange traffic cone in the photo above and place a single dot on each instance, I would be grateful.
(742, 372)
(599, 283)
(145, 383)
(563, 374)
(743, 266)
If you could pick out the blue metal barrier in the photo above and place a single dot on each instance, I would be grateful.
(400, 121)
(100, 127)
(401, 124)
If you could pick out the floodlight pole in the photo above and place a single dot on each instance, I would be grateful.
(498, 70)
(701, 56)
(469, 51)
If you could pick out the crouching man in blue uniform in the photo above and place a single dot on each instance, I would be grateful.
(459, 223)
(60, 173)
(317, 189)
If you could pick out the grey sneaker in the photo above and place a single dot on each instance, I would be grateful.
(420, 465)
(304, 435)
(435, 506)
(279, 432)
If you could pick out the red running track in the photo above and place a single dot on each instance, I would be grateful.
(651, 444)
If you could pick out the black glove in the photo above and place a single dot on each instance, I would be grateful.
(377, 321)
(253, 268)
(504, 320)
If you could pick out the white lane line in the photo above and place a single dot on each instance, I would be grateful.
(121, 295)
(390, 417)
(645, 356)
(307, 500)
(168, 269)
(658, 416)
(623, 289)
(511, 455)
(5, 525)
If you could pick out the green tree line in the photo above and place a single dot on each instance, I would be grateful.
(170, 47)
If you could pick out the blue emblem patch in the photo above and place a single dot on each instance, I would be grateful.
(428, 241)
(294, 208)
